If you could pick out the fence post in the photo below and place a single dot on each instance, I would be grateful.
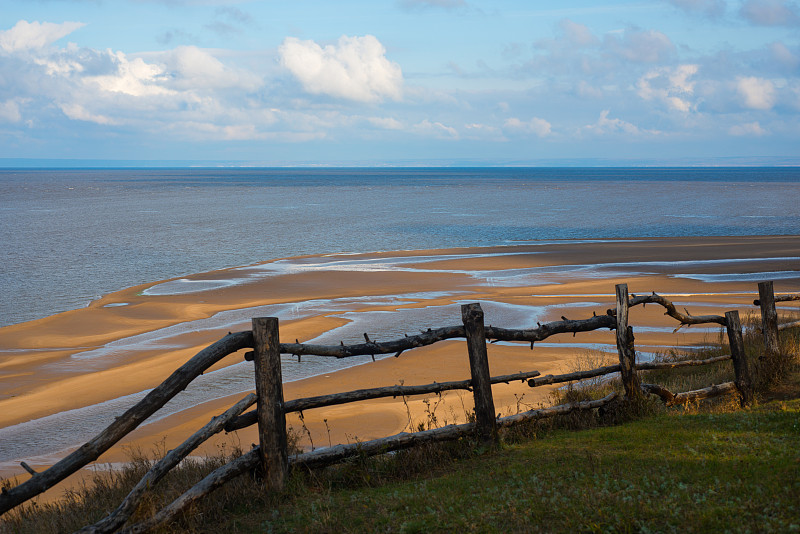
(485, 419)
(269, 411)
(769, 319)
(627, 354)
(740, 367)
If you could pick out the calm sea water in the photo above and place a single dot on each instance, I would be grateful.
(70, 236)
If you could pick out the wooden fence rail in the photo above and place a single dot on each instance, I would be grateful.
(271, 458)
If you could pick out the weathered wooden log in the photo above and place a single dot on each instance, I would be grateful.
(684, 319)
(330, 455)
(572, 377)
(128, 421)
(781, 298)
(269, 412)
(608, 369)
(128, 506)
(28, 468)
(650, 366)
(561, 409)
(769, 319)
(404, 440)
(505, 379)
(307, 403)
(472, 316)
(666, 395)
(671, 399)
(212, 481)
(744, 382)
(625, 348)
(784, 326)
(705, 393)
(493, 333)
(546, 330)
(321, 457)
(365, 349)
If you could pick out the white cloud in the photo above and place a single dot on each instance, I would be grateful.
(478, 130)
(757, 93)
(671, 86)
(387, 123)
(131, 77)
(193, 67)
(32, 35)
(173, 91)
(771, 12)
(9, 110)
(535, 126)
(750, 129)
(355, 68)
(605, 126)
(77, 112)
(436, 129)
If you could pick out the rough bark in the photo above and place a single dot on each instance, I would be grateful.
(671, 399)
(666, 395)
(561, 409)
(627, 354)
(650, 366)
(744, 382)
(269, 412)
(373, 347)
(125, 423)
(212, 481)
(571, 377)
(330, 455)
(672, 311)
(608, 369)
(705, 393)
(781, 298)
(485, 417)
(769, 319)
(546, 330)
(493, 333)
(128, 506)
(307, 403)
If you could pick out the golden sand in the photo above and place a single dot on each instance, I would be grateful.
(39, 374)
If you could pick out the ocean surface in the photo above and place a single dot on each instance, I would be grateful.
(70, 236)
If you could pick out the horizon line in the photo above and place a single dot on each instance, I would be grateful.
(689, 162)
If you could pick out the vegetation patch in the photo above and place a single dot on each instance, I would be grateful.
(690, 468)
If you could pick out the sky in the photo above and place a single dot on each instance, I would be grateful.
(401, 82)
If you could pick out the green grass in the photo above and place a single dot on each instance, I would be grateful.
(712, 467)
(726, 472)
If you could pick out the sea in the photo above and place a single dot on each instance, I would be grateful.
(70, 236)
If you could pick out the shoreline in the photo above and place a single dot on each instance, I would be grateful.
(99, 353)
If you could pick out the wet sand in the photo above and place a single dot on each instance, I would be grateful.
(129, 341)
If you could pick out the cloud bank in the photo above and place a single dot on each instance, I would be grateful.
(355, 68)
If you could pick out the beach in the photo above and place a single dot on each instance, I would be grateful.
(65, 377)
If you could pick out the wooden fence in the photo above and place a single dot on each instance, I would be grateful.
(271, 457)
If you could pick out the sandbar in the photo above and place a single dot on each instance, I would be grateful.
(129, 341)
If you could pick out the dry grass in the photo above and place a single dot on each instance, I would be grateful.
(246, 495)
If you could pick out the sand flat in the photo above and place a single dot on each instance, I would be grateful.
(129, 341)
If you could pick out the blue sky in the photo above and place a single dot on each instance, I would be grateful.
(401, 82)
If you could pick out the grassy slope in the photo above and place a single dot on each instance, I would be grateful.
(717, 468)
(736, 472)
